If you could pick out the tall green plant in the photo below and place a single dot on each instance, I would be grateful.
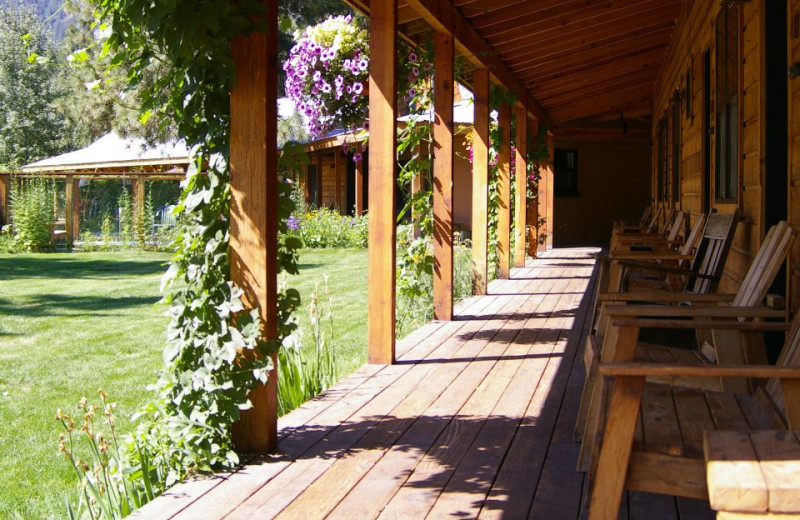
(32, 212)
(215, 353)
(305, 371)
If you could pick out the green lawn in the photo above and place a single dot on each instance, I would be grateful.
(71, 323)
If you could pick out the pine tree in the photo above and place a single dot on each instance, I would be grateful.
(30, 127)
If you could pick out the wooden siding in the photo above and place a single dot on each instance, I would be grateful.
(694, 36)
(613, 185)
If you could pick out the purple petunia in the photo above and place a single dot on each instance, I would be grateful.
(292, 223)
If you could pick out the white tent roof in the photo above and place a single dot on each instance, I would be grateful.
(113, 151)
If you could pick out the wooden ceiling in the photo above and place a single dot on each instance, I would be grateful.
(584, 62)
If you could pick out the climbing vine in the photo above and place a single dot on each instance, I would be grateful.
(207, 375)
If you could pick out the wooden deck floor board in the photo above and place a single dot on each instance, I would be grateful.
(475, 420)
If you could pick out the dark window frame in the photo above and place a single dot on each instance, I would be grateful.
(727, 167)
(566, 178)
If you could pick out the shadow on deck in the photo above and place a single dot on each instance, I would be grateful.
(474, 421)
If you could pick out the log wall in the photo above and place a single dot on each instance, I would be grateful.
(695, 36)
(794, 151)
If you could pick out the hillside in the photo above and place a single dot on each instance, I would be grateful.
(52, 12)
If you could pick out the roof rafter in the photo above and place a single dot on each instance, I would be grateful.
(443, 16)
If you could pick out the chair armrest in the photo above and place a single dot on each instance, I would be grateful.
(650, 311)
(660, 268)
(665, 370)
(649, 256)
(716, 324)
(665, 297)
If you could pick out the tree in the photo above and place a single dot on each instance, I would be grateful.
(30, 127)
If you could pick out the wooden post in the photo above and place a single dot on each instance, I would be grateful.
(359, 187)
(254, 200)
(138, 198)
(504, 193)
(550, 188)
(521, 183)
(443, 178)
(542, 203)
(533, 211)
(4, 216)
(307, 185)
(337, 179)
(69, 210)
(382, 179)
(76, 208)
(417, 185)
(480, 181)
(319, 180)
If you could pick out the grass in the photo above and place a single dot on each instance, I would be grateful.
(71, 323)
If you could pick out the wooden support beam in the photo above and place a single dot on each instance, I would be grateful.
(254, 201)
(382, 179)
(550, 188)
(338, 163)
(418, 184)
(533, 210)
(444, 17)
(504, 193)
(544, 180)
(521, 185)
(443, 177)
(318, 158)
(4, 216)
(359, 187)
(139, 197)
(480, 181)
(69, 210)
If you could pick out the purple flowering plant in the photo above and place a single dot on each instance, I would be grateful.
(327, 73)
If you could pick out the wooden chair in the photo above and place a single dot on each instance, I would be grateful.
(619, 236)
(676, 259)
(653, 433)
(648, 211)
(746, 302)
(668, 254)
(654, 241)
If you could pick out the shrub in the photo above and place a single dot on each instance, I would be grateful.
(415, 278)
(327, 228)
(32, 213)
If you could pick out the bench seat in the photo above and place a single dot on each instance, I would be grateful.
(753, 474)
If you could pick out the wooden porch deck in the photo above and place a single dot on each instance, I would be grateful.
(474, 421)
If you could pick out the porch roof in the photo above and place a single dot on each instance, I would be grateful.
(577, 63)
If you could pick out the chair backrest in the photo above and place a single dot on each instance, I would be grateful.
(693, 239)
(709, 261)
(765, 266)
(789, 357)
(662, 230)
(678, 227)
(646, 215)
(653, 225)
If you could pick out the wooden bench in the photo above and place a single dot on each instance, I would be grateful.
(753, 474)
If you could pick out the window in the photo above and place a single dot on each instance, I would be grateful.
(727, 104)
(662, 173)
(565, 167)
(676, 151)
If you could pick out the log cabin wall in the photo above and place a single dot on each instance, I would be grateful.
(794, 151)
(689, 64)
(585, 218)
